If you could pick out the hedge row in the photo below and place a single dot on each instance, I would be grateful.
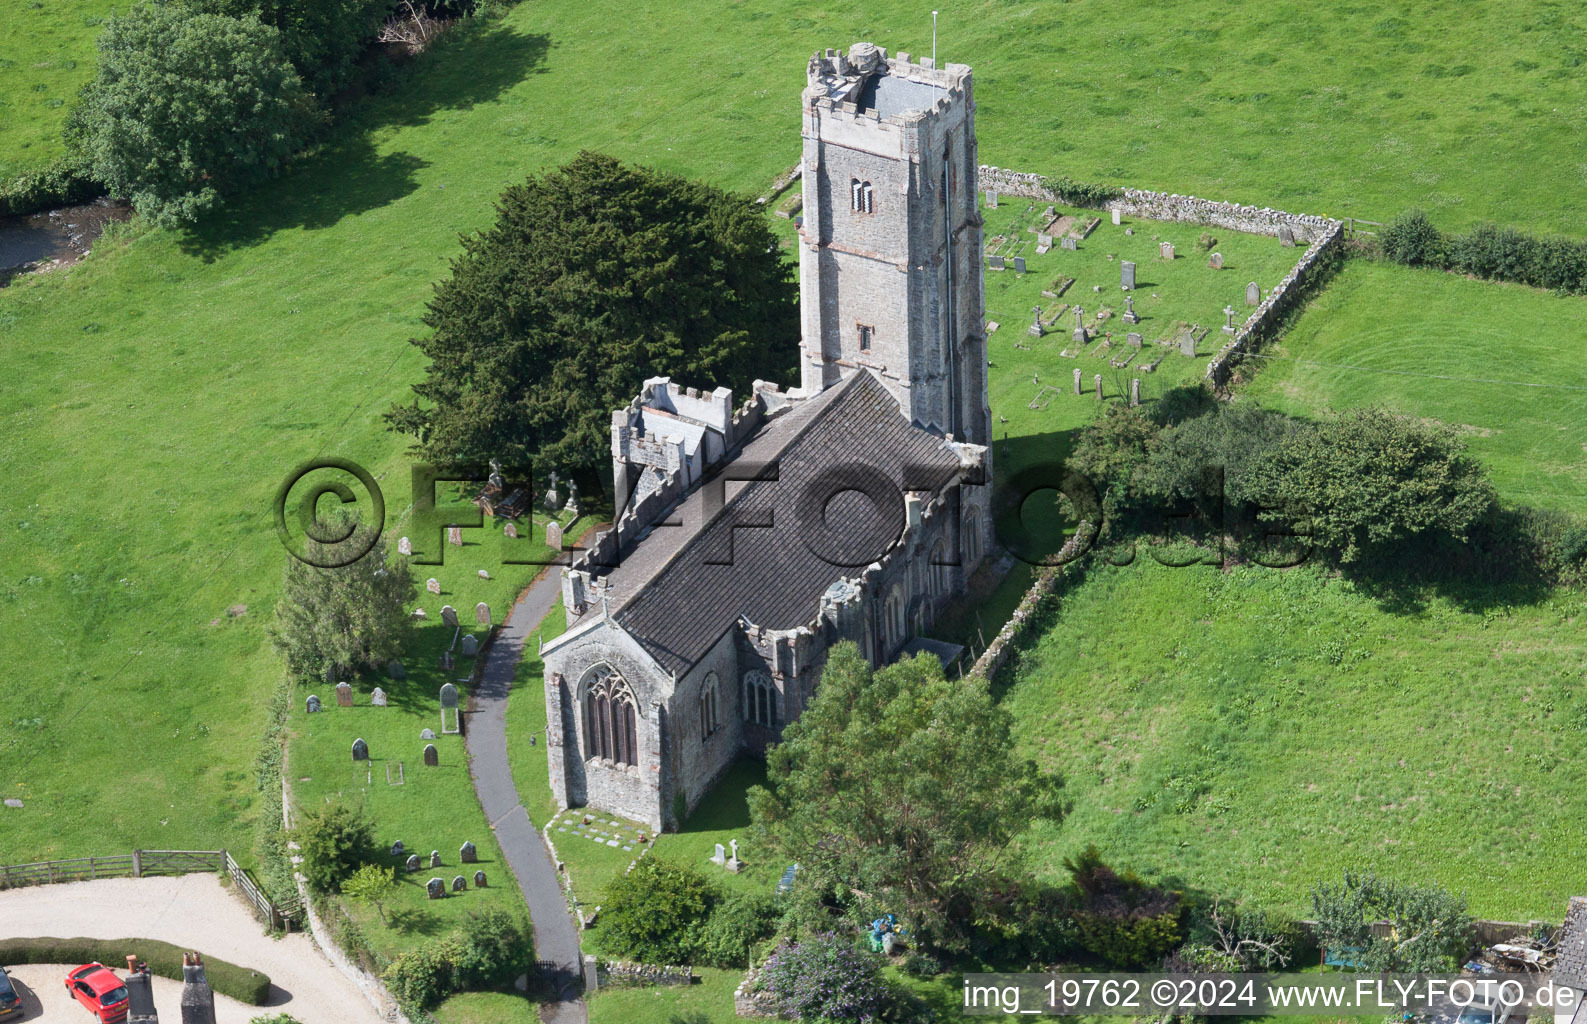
(164, 959)
(1486, 251)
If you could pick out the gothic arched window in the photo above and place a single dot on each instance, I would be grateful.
(611, 717)
(709, 722)
(760, 699)
(893, 621)
(970, 538)
(938, 570)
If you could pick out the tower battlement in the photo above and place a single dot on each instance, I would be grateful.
(867, 83)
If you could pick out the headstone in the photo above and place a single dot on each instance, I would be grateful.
(1043, 242)
(1286, 235)
(466, 854)
(1079, 388)
(1228, 327)
(397, 848)
(449, 615)
(1035, 329)
(412, 863)
(454, 536)
(1134, 338)
(1166, 250)
(395, 670)
(427, 734)
(470, 646)
(433, 585)
(1130, 316)
(1096, 378)
(720, 856)
(344, 695)
(360, 750)
(991, 200)
(994, 262)
(482, 613)
(1253, 294)
(458, 884)
(1187, 343)
(378, 698)
(1126, 274)
(733, 863)
(510, 531)
(436, 888)
(1130, 232)
(419, 613)
(572, 507)
(1080, 335)
(1068, 243)
(1215, 261)
(450, 721)
(432, 757)
(553, 500)
(435, 858)
(446, 661)
(1019, 264)
(554, 535)
(1047, 215)
(1135, 392)
(312, 704)
(448, 695)
(479, 879)
(1115, 216)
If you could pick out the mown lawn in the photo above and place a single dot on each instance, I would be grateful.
(1501, 363)
(47, 53)
(1250, 733)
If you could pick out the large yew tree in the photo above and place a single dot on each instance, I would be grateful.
(595, 276)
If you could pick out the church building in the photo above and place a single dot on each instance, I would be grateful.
(750, 538)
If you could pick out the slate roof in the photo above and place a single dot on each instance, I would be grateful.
(1570, 964)
(680, 599)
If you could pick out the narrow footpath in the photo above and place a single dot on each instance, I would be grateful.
(556, 935)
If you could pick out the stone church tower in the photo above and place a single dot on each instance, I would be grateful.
(890, 271)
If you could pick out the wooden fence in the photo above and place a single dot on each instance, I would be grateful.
(142, 863)
(1353, 227)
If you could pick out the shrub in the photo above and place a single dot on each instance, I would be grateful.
(1077, 193)
(738, 924)
(427, 974)
(826, 978)
(61, 183)
(1206, 242)
(1122, 919)
(335, 840)
(653, 912)
(497, 947)
(228, 979)
(920, 965)
(1413, 240)
(1431, 927)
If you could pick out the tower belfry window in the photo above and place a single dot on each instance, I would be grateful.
(860, 196)
(866, 332)
(866, 197)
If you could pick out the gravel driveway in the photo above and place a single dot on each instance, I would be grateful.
(194, 912)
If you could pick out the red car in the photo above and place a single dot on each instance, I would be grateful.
(98, 989)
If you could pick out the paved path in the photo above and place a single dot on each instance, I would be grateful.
(556, 936)
(193, 912)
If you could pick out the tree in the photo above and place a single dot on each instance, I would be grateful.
(1429, 929)
(1412, 239)
(371, 884)
(902, 786)
(186, 107)
(1371, 477)
(331, 621)
(594, 277)
(322, 38)
(654, 912)
(335, 840)
(826, 979)
(1123, 919)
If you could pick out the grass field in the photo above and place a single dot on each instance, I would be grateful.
(1250, 733)
(1501, 363)
(46, 54)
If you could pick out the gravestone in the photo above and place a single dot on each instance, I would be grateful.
(378, 698)
(1080, 335)
(1035, 330)
(482, 613)
(1286, 235)
(1130, 232)
(552, 498)
(418, 613)
(994, 262)
(1079, 388)
(733, 863)
(1096, 379)
(427, 734)
(395, 670)
(572, 507)
(1068, 243)
(1115, 216)
(1135, 392)
(412, 863)
(432, 757)
(1228, 314)
(435, 858)
(312, 704)
(510, 531)
(344, 695)
(1166, 250)
(1127, 274)
(436, 888)
(1043, 242)
(1047, 215)
(720, 856)
(360, 750)
(479, 879)
(449, 615)
(454, 536)
(991, 200)
(458, 885)
(1253, 294)
(1187, 343)
(1019, 264)
(446, 661)
(554, 535)
(433, 585)
(1134, 338)
(404, 546)
(1130, 316)
(470, 646)
(467, 854)
(1215, 261)
(449, 703)
(397, 848)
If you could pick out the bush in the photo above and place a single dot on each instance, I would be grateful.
(1206, 242)
(1077, 193)
(497, 947)
(1122, 919)
(653, 912)
(738, 924)
(1413, 240)
(826, 978)
(1431, 928)
(62, 183)
(920, 965)
(427, 974)
(228, 979)
(334, 840)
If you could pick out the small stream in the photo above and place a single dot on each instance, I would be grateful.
(65, 235)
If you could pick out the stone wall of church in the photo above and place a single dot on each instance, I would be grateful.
(699, 760)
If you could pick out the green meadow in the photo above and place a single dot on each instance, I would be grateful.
(47, 53)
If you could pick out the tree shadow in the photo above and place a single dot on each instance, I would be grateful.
(345, 175)
(413, 922)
